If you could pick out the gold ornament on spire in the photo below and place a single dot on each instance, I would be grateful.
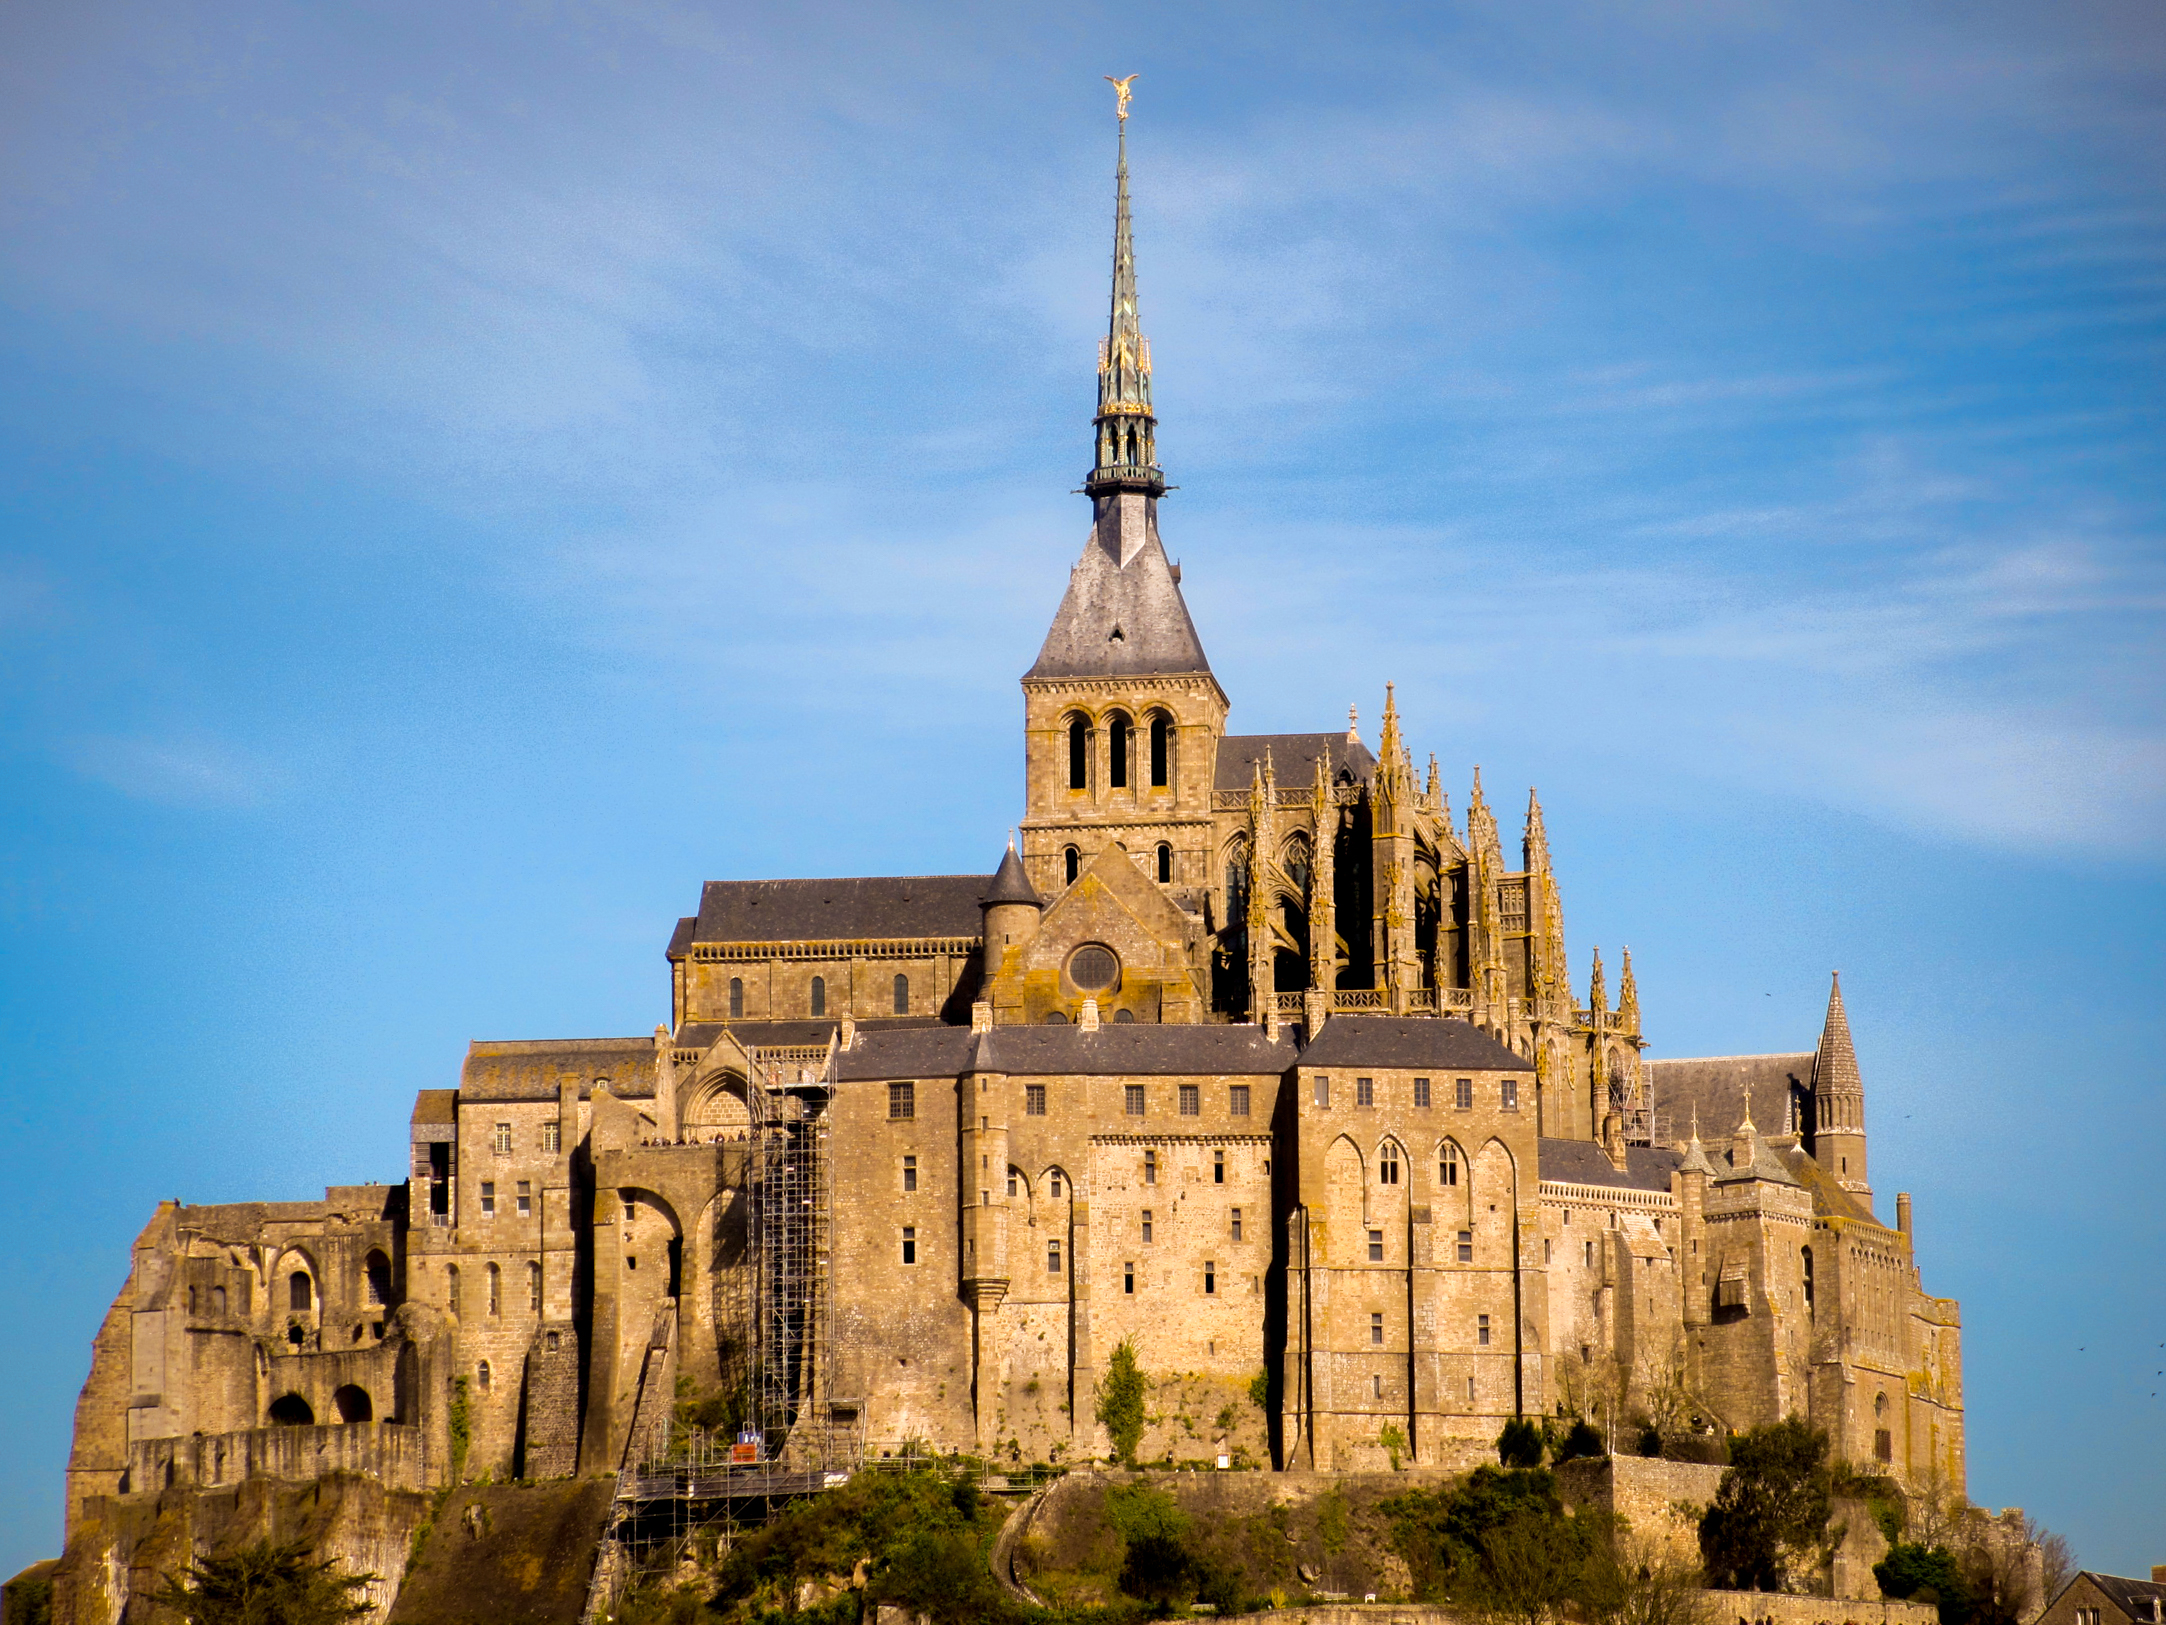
(1122, 92)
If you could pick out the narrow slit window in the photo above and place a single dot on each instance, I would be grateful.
(1074, 861)
(819, 995)
(496, 1290)
(902, 995)
(910, 1244)
(1120, 745)
(1165, 864)
(1161, 752)
(1079, 756)
(737, 998)
(533, 1289)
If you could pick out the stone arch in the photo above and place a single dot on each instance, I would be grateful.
(1076, 731)
(1021, 1181)
(1454, 1177)
(717, 1104)
(292, 1411)
(352, 1403)
(1346, 1203)
(1493, 1201)
(1393, 1167)
(1163, 734)
(376, 1278)
(296, 1260)
(1053, 1179)
(1120, 749)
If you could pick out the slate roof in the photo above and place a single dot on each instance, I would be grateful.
(1719, 1085)
(528, 1069)
(1445, 1043)
(850, 908)
(1829, 1198)
(2127, 1594)
(1011, 884)
(1293, 759)
(681, 938)
(1582, 1162)
(1141, 601)
(1118, 1049)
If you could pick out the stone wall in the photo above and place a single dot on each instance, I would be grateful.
(398, 1456)
(1660, 1500)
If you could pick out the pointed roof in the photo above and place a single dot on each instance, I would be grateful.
(1011, 884)
(1751, 1157)
(1121, 617)
(1835, 1063)
(1127, 453)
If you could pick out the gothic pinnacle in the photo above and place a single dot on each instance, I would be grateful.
(1127, 428)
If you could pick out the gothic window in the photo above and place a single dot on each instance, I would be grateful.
(1387, 1166)
(1079, 754)
(300, 1292)
(1119, 738)
(482, 1376)
(1161, 750)
(1296, 864)
(1447, 1165)
(902, 995)
(902, 1101)
(737, 998)
(1074, 861)
(819, 995)
(1165, 864)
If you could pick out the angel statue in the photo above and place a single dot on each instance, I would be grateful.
(1120, 89)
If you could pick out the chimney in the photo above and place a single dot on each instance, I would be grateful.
(1088, 1019)
(981, 1016)
(1613, 1140)
(1902, 1211)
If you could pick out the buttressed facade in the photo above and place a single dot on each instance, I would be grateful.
(1250, 1053)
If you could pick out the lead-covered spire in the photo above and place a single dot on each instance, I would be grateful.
(1127, 458)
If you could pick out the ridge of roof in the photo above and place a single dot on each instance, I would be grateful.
(844, 907)
(1440, 1041)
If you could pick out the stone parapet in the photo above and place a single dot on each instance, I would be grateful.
(396, 1456)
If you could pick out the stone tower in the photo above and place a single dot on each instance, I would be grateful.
(1839, 1102)
(1121, 711)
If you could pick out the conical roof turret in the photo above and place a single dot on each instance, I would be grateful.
(1835, 1065)
(1011, 884)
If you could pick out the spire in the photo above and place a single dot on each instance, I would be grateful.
(1597, 991)
(1628, 997)
(1127, 458)
(1835, 1066)
(1010, 883)
(1695, 1158)
(1536, 844)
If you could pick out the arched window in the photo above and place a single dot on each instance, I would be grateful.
(300, 1292)
(1447, 1165)
(1387, 1165)
(737, 998)
(1237, 883)
(496, 1290)
(1165, 864)
(1161, 751)
(1805, 1254)
(819, 995)
(533, 1288)
(1121, 730)
(902, 995)
(378, 1270)
(481, 1376)
(1075, 863)
(1079, 753)
(1056, 1018)
(451, 1288)
(353, 1403)
(291, 1410)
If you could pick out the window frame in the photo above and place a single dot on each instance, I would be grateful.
(909, 1245)
(902, 1101)
(1190, 1100)
(1237, 1100)
(1133, 1103)
(1421, 1091)
(1376, 1246)
(1463, 1094)
(1365, 1092)
(1033, 1100)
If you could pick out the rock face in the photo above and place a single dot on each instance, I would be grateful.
(508, 1554)
(124, 1547)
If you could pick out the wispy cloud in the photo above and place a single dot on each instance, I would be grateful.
(193, 772)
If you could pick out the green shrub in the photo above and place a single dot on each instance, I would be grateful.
(264, 1584)
(1520, 1444)
(1770, 1515)
(1925, 1574)
(1120, 1402)
(1581, 1440)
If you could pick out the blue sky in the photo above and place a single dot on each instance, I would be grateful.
(469, 474)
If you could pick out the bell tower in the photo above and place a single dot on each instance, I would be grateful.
(1122, 715)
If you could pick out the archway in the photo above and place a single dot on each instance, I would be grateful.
(291, 1410)
(353, 1404)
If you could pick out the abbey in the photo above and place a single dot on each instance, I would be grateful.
(1250, 1054)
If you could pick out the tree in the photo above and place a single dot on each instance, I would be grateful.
(1520, 1444)
(1498, 1546)
(1120, 1402)
(1923, 1573)
(1770, 1516)
(2056, 1562)
(1634, 1580)
(264, 1584)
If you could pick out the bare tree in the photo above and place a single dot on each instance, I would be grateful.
(2056, 1561)
(1634, 1580)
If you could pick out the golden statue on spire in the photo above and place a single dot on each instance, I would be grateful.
(1121, 90)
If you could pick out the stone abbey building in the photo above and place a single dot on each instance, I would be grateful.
(1250, 1053)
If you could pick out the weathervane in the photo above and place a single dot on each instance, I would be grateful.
(1120, 89)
